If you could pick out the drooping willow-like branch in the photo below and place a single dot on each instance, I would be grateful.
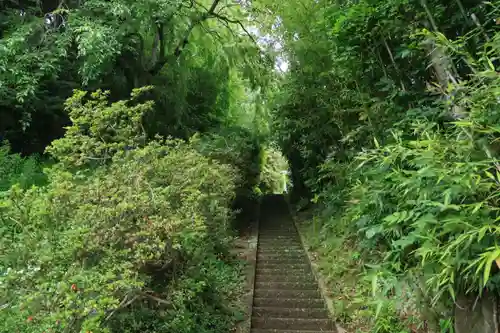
(238, 22)
(184, 41)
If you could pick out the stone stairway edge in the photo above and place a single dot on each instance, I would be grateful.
(250, 273)
(314, 267)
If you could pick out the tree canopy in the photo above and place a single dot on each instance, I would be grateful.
(156, 119)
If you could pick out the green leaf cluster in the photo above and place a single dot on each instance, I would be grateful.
(137, 242)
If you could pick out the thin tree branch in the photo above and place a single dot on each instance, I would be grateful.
(124, 303)
(184, 41)
(157, 41)
(394, 64)
(227, 6)
(157, 64)
(228, 20)
(212, 32)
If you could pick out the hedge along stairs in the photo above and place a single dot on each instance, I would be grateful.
(286, 294)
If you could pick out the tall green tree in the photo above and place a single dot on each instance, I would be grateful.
(193, 52)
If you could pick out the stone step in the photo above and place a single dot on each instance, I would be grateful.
(279, 265)
(279, 241)
(283, 261)
(281, 249)
(309, 278)
(277, 256)
(293, 323)
(279, 293)
(285, 270)
(279, 245)
(275, 247)
(316, 303)
(286, 285)
(280, 312)
(270, 249)
(261, 249)
(285, 256)
(281, 253)
(257, 330)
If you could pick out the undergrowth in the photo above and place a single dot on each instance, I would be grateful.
(128, 234)
(24, 171)
(346, 272)
(392, 130)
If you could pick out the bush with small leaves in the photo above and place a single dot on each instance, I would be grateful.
(130, 244)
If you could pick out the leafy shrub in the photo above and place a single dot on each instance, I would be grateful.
(238, 147)
(427, 205)
(16, 169)
(134, 243)
(274, 165)
(403, 156)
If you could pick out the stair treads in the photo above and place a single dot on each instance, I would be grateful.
(296, 278)
(280, 312)
(286, 295)
(293, 323)
(289, 302)
(257, 330)
(279, 293)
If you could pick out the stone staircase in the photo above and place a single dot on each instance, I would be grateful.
(286, 295)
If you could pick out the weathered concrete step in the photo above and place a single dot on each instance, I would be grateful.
(257, 330)
(300, 257)
(273, 254)
(261, 249)
(280, 293)
(287, 241)
(286, 285)
(281, 266)
(280, 243)
(280, 312)
(293, 323)
(309, 278)
(271, 251)
(283, 271)
(282, 247)
(283, 261)
(316, 303)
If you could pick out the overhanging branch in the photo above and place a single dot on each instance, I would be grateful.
(184, 41)
(228, 20)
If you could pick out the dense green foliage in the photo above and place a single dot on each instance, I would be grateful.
(139, 241)
(14, 169)
(195, 53)
(274, 171)
(156, 113)
(389, 117)
(152, 111)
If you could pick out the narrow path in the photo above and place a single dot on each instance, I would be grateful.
(286, 295)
